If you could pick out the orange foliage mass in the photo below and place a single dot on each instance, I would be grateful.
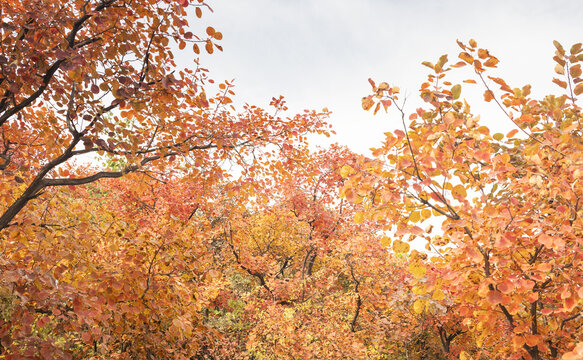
(144, 218)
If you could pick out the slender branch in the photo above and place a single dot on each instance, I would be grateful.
(510, 117)
(46, 79)
(358, 299)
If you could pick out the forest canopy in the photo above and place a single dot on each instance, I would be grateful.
(145, 216)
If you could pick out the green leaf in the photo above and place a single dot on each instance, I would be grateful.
(456, 90)
(442, 60)
(429, 65)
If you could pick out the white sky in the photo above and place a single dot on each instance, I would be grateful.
(320, 53)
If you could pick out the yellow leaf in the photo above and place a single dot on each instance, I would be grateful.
(425, 214)
(415, 216)
(438, 295)
(559, 69)
(383, 86)
(419, 306)
(400, 246)
(498, 136)
(459, 190)
(358, 218)
(346, 170)
(385, 241)
(418, 290)
(417, 271)
(465, 356)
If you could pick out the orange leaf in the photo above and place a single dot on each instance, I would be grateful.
(367, 102)
(483, 53)
(494, 297)
(491, 62)
(532, 340)
(561, 83)
(569, 304)
(575, 354)
(383, 86)
(517, 342)
(511, 133)
(576, 48)
(386, 104)
(506, 287)
(502, 83)
(466, 57)
(209, 47)
(575, 70)
(458, 64)
(376, 109)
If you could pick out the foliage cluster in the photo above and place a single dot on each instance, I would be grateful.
(142, 217)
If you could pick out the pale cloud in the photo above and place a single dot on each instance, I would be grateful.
(320, 53)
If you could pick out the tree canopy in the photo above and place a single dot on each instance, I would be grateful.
(143, 217)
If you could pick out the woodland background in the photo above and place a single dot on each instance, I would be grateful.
(145, 216)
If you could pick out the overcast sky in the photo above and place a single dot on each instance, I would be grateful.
(320, 53)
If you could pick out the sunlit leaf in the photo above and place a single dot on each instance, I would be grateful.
(419, 306)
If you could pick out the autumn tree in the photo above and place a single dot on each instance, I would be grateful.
(99, 77)
(303, 278)
(509, 244)
(91, 91)
(125, 267)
